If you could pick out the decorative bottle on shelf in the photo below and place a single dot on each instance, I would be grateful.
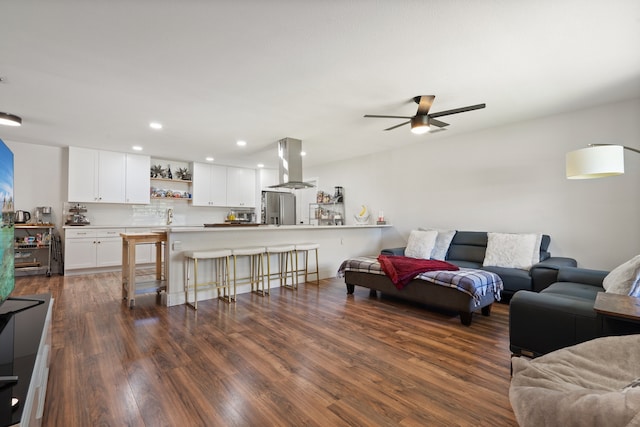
(169, 174)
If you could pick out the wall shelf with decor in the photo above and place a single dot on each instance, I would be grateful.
(326, 213)
(171, 189)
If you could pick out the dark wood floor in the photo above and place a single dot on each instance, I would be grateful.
(315, 357)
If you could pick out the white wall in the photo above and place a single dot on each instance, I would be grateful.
(503, 179)
(40, 177)
(509, 179)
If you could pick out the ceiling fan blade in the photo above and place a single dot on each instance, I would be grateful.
(386, 117)
(437, 123)
(397, 126)
(457, 110)
(424, 104)
(436, 130)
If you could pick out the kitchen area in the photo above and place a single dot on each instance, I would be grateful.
(200, 206)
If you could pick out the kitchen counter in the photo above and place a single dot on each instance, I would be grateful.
(261, 227)
(337, 243)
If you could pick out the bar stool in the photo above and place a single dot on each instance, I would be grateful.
(305, 248)
(219, 274)
(256, 269)
(285, 264)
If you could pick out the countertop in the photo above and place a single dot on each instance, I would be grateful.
(191, 228)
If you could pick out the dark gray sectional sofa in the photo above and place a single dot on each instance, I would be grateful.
(467, 249)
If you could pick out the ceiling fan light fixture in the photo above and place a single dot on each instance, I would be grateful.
(420, 125)
(10, 120)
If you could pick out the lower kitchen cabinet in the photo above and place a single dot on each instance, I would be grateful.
(92, 248)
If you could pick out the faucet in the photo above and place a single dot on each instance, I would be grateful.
(169, 216)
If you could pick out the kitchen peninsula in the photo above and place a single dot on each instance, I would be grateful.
(336, 244)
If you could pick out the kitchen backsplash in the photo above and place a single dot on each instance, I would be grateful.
(152, 214)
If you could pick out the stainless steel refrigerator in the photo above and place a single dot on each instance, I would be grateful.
(278, 208)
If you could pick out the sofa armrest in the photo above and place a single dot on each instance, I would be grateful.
(545, 272)
(393, 251)
(582, 275)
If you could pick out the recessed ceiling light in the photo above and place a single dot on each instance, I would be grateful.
(136, 148)
(155, 125)
(260, 165)
(303, 153)
(209, 159)
(10, 120)
(241, 143)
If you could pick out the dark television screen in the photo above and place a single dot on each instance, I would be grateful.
(7, 280)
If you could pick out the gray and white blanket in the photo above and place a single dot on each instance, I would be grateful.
(473, 282)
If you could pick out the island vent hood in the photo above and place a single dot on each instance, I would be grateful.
(290, 164)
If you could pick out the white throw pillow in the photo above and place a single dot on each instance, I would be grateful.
(635, 289)
(622, 279)
(443, 241)
(420, 244)
(512, 250)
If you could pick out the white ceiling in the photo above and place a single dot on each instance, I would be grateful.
(95, 73)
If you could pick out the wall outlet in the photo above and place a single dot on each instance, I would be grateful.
(177, 245)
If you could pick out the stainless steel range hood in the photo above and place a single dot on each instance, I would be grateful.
(290, 164)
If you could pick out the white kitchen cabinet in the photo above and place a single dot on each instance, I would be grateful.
(241, 187)
(96, 176)
(137, 179)
(92, 248)
(268, 177)
(209, 185)
(215, 185)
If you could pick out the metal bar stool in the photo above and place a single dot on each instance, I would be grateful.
(305, 248)
(256, 269)
(219, 274)
(285, 265)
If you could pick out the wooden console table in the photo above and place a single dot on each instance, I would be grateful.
(130, 288)
(622, 307)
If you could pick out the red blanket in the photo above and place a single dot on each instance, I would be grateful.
(401, 269)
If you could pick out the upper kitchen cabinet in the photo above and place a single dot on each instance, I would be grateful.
(223, 186)
(209, 185)
(138, 179)
(241, 187)
(96, 176)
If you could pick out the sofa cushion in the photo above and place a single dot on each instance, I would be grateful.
(468, 246)
(421, 244)
(578, 290)
(443, 240)
(512, 250)
(513, 279)
(623, 278)
(465, 264)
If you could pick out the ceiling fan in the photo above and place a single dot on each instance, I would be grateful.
(422, 121)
